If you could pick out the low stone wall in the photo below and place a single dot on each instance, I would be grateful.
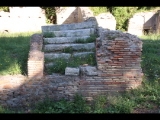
(22, 19)
(36, 57)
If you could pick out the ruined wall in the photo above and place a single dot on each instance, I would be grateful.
(158, 22)
(118, 58)
(142, 21)
(22, 19)
(69, 15)
(36, 57)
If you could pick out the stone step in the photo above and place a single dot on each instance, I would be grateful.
(74, 47)
(73, 26)
(71, 33)
(52, 56)
(82, 54)
(49, 64)
(60, 40)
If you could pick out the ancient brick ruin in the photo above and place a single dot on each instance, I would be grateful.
(143, 23)
(118, 57)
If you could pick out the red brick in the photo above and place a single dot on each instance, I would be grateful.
(117, 56)
(135, 56)
(114, 58)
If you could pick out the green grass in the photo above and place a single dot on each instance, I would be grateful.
(60, 64)
(14, 50)
(91, 39)
(97, 10)
(78, 105)
(48, 34)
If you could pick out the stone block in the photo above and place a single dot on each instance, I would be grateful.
(72, 71)
(88, 70)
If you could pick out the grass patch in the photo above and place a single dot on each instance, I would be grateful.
(91, 39)
(150, 56)
(14, 50)
(68, 50)
(78, 105)
(48, 34)
(97, 10)
(71, 50)
(60, 64)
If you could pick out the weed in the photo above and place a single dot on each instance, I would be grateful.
(68, 50)
(91, 39)
(48, 34)
(60, 64)
(78, 105)
(99, 104)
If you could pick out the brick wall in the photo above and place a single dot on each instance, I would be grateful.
(118, 58)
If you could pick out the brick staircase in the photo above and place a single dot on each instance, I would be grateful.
(58, 39)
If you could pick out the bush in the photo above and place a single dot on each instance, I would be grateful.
(5, 9)
(50, 13)
(97, 10)
(78, 105)
(123, 14)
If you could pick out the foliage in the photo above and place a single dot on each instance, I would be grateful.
(60, 64)
(50, 13)
(97, 10)
(78, 105)
(5, 9)
(48, 34)
(91, 39)
(123, 14)
(98, 105)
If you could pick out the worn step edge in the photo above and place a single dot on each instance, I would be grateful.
(60, 47)
(70, 33)
(51, 56)
(60, 40)
(73, 26)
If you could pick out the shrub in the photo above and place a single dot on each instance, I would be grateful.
(97, 10)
